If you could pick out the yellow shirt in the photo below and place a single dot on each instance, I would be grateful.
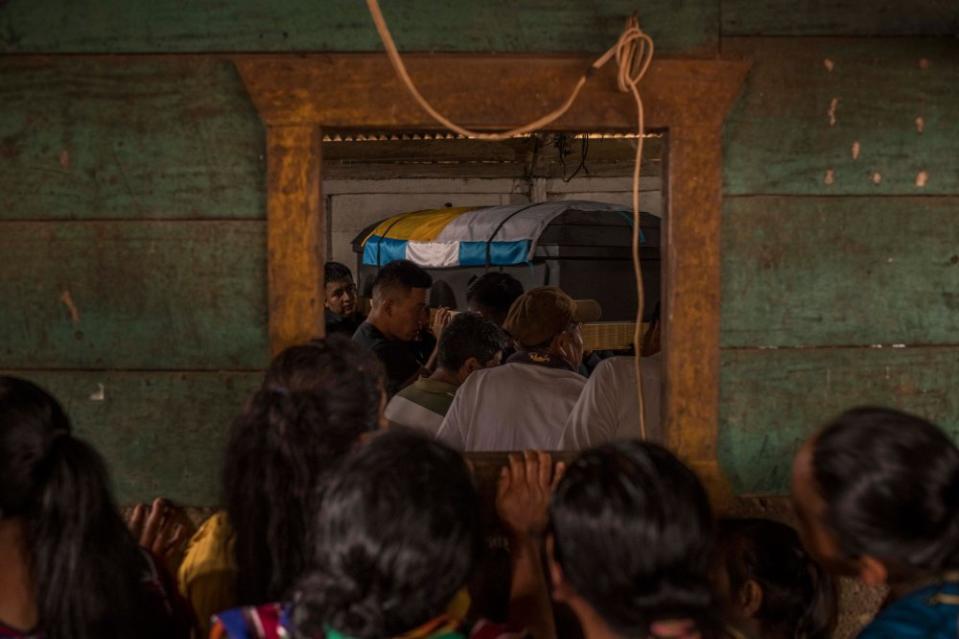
(207, 576)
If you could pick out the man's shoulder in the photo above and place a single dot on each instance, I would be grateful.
(520, 370)
(365, 334)
(342, 324)
(502, 374)
(371, 338)
(624, 367)
(515, 378)
(431, 395)
(615, 367)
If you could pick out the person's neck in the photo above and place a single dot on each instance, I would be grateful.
(562, 357)
(445, 376)
(380, 323)
(18, 608)
(553, 357)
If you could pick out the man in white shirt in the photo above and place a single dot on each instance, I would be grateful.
(525, 403)
(608, 408)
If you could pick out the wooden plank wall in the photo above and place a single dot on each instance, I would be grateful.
(165, 26)
(841, 229)
(132, 235)
(133, 253)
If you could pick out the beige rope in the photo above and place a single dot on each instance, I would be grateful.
(634, 53)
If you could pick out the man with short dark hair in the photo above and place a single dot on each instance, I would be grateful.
(492, 294)
(340, 307)
(395, 328)
(468, 344)
(525, 403)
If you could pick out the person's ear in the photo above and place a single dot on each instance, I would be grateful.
(560, 343)
(559, 585)
(872, 572)
(750, 598)
(386, 306)
(469, 366)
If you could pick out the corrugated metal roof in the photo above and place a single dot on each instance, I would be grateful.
(429, 136)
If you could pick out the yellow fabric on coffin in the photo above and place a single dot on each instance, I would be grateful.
(418, 226)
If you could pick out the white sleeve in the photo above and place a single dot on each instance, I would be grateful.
(455, 425)
(392, 410)
(593, 418)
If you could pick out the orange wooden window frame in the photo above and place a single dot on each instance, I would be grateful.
(297, 96)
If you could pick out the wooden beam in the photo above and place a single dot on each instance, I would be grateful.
(295, 244)
(692, 302)
(361, 91)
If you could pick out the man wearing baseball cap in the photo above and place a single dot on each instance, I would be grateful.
(525, 403)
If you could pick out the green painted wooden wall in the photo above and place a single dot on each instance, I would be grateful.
(840, 235)
(164, 26)
(132, 207)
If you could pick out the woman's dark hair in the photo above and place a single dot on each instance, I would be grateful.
(890, 482)
(799, 598)
(88, 572)
(632, 531)
(315, 402)
(494, 290)
(397, 535)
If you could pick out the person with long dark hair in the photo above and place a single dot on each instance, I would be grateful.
(877, 495)
(398, 534)
(69, 567)
(315, 404)
(630, 544)
(771, 586)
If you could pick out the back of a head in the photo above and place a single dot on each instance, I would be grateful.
(469, 335)
(890, 482)
(336, 272)
(316, 401)
(398, 278)
(632, 531)
(799, 598)
(396, 537)
(86, 567)
(494, 291)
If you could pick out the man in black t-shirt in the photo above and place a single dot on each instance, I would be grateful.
(395, 330)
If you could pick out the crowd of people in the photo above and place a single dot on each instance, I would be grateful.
(524, 348)
(350, 512)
